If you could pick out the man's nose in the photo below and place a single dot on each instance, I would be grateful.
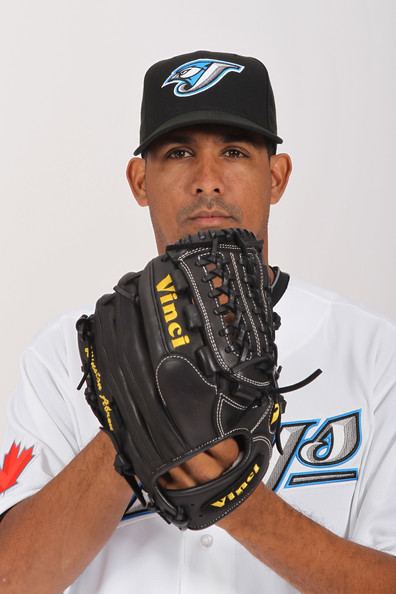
(208, 177)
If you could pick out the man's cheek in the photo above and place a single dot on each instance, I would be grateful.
(164, 223)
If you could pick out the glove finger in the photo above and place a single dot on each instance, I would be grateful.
(140, 379)
(117, 389)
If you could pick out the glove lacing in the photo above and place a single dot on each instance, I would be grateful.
(236, 332)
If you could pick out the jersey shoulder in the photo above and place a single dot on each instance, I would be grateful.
(338, 305)
(58, 333)
(339, 326)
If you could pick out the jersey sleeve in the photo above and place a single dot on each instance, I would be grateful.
(40, 438)
(373, 512)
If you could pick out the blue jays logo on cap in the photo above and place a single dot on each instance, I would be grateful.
(199, 75)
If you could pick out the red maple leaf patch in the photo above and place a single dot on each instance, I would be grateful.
(14, 463)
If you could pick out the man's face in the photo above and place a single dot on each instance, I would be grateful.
(207, 177)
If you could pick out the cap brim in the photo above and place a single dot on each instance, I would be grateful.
(206, 117)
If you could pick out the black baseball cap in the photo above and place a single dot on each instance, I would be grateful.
(207, 88)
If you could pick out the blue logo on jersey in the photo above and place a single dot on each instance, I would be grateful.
(199, 76)
(327, 452)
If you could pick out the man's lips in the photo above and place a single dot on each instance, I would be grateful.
(211, 217)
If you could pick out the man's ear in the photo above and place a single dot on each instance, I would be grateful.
(281, 168)
(136, 175)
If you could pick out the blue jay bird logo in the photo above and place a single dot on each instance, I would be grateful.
(199, 76)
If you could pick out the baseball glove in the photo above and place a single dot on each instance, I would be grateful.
(181, 357)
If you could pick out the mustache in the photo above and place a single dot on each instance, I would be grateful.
(230, 210)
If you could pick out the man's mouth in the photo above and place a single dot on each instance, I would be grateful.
(211, 218)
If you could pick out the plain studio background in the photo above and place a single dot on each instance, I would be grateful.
(71, 81)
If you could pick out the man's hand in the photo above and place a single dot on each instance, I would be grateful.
(203, 467)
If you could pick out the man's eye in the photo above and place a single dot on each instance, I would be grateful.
(178, 154)
(234, 153)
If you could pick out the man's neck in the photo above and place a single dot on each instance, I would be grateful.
(271, 274)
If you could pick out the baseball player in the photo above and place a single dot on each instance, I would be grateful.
(323, 519)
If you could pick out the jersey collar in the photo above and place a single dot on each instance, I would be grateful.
(279, 285)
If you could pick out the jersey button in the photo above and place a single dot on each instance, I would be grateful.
(206, 540)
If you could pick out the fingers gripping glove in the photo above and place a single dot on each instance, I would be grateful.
(180, 357)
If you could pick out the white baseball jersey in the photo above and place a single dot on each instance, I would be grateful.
(338, 435)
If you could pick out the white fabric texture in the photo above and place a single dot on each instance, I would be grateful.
(338, 435)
